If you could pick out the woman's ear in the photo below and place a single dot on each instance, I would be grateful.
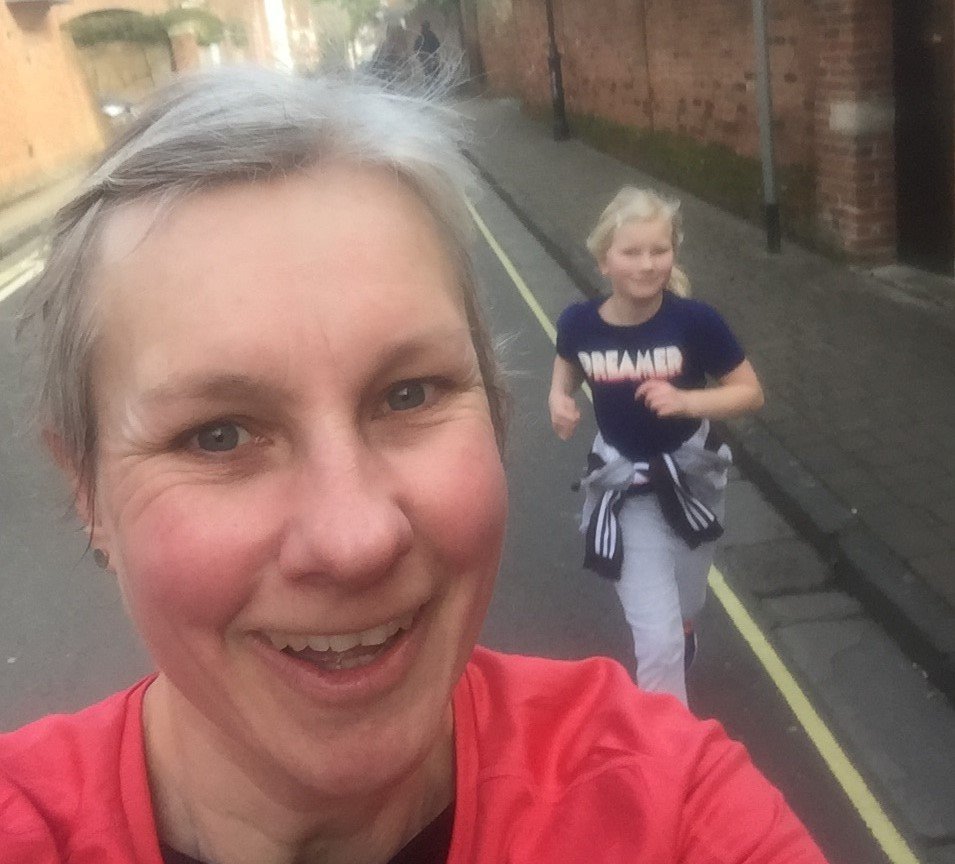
(83, 492)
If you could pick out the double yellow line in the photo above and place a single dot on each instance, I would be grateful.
(845, 773)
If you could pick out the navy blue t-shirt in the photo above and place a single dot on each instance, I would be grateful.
(683, 343)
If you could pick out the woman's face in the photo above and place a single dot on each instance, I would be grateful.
(298, 483)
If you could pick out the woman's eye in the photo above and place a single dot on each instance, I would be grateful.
(220, 437)
(410, 394)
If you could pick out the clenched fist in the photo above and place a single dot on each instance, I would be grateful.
(564, 414)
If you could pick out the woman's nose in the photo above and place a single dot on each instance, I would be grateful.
(346, 519)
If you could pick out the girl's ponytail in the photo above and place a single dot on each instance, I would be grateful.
(679, 282)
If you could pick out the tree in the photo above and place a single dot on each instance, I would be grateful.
(360, 12)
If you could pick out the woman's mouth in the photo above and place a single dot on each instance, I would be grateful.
(332, 652)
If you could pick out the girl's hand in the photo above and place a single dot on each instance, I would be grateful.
(738, 392)
(663, 399)
(564, 414)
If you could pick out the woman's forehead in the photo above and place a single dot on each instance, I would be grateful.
(125, 229)
(330, 221)
(367, 188)
(315, 257)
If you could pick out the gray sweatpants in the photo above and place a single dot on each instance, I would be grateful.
(663, 581)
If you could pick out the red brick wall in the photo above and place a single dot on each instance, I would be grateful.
(688, 66)
(702, 61)
(496, 36)
(48, 121)
(604, 63)
(855, 165)
(678, 65)
(530, 27)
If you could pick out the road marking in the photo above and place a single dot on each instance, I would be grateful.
(24, 272)
(521, 285)
(516, 278)
(870, 811)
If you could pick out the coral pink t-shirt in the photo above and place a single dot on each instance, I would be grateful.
(556, 762)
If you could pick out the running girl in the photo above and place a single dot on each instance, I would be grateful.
(657, 472)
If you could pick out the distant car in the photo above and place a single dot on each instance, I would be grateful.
(117, 109)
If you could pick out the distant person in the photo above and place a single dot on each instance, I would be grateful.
(391, 61)
(267, 376)
(426, 47)
(657, 474)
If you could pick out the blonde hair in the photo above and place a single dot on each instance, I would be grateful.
(632, 204)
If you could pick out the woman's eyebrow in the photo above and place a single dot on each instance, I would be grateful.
(224, 386)
(426, 342)
(199, 386)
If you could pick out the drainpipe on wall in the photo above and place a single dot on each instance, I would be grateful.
(561, 129)
(764, 110)
(651, 108)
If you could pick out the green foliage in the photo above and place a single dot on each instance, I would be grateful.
(123, 25)
(116, 25)
(360, 12)
(235, 30)
(208, 27)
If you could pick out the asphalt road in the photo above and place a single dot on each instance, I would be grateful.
(65, 642)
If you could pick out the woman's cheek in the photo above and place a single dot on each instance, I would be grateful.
(465, 498)
(196, 554)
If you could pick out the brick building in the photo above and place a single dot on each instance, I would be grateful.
(862, 96)
(50, 119)
(48, 122)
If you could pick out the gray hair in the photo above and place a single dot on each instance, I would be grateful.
(242, 124)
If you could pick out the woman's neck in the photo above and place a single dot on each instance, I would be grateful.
(624, 311)
(215, 807)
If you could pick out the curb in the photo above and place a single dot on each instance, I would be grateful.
(907, 608)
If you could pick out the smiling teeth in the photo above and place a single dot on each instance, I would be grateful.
(340, 642)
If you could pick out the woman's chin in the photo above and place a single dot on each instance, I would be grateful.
(373, 759)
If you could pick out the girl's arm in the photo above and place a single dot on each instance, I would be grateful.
(564, 382)
(738, 392)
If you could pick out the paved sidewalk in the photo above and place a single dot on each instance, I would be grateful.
(856, 443)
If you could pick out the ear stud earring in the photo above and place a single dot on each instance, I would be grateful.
(101, 558)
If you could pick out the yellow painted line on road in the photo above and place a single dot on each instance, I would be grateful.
(869, 809)
(845, 773)
(521, 285)
(22, 274)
